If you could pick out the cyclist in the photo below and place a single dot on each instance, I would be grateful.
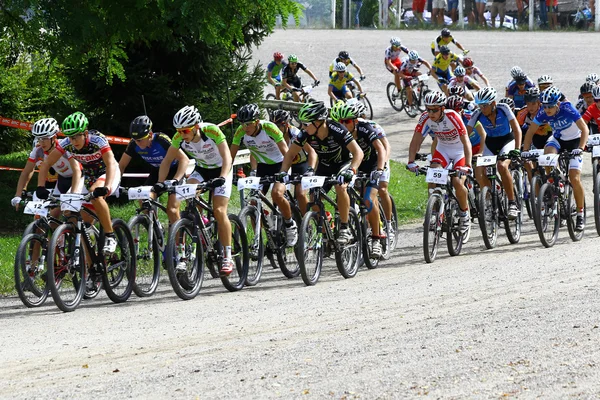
(586, 99)
(502, 135)
(306, 160)
(267, 147)
(461, 79)
(592, 113)
(441, 67)
(474, 72)
(393, 61)
(514, 72)
(66, 171)
(444, 39)
(205, 143)
(338, 89)
(410, 69)
(274, 72)
(373, 162)
(290, 78)
(510, 103)
(594, 78)
(344, 57)
(335, 147)
(570, 133)
(100, 169)
(151, 147)
(516, 89)
(544, 82)
(457, 104)
(452, 146)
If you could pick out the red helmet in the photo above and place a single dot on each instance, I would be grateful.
(277, 56)
(468, 62)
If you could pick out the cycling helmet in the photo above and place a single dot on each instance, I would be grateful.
(455, 103)
(313, 111)
(456, 91)
(592, 78)
(341, 110)
(550, 96)
(74, 124)
(344, 55)
(359, 109)
(460, 71)
(187, 116)
(45, 128)
(509, 102)
(435, 98)
(140, 127)
(545, 79)
(586, 87)
(487, 95)
(293, 58)
(277, 56)
(596, 92)
(468, 62)
(395, 41)
(446, 32)
(515, 70)
(248, 113)
(532, 94)
(520, 77)
(444, 49)
(281, 117)
(413, 55)
(339, 67)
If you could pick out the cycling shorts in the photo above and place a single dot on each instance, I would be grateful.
(499, 145)
(443, 74)
(300, 168)
(201, 174)
(277, 79)
(539, 141)
(452, 5)
(153, 175)
(396, 63)
(263, 169)
(63, 185)
(481, 1)
(418, 6)
(114, 185)
(443, 155)
(331, 170)
(575, 162)
(476, 148)
(341, 93)
(295, 82)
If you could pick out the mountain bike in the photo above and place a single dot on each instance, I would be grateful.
(538, 178)
(361, 97)
(317, 236)
(593, 146)
(286, 95)
(419, 88)
(75, 250)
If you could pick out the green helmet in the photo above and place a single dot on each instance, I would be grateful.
(74, 124)
(341, 110)
(312, 111)
(293, 58)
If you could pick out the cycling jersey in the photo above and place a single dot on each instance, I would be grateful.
(89, 156)
(562, 123)
(499, 127)
(592, 114)
(365, 136)
(338, 82)
(332, 150)
(475, 72)
(263, 146)
(302, 156)
(409, 68)
(289, 73)
(528, 83)
(447, 131)
(466, 82)
(524, 120)
(205, 151)
(154, 153)
(378, 129)
(441, 41)
(337, 60)
(275, 69)
(61, 168)
(443, 64)
(474, 137)
(518, 95)
(395, 54)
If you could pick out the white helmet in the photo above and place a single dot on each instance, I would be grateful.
(187, 116)
(435, 98)
(486, 95)
(516, 70)
(339, 67)
(596, 92)
(545, 79)
(45, 128)
(395, 41)
(413, 55)
(592, 78)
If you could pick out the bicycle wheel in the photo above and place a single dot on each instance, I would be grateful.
(411, 111)
(148, 256)
(547, 215)
(571, 210)
(239, 252)
(310, 248)
(367, 243)
(395, 224)
(432, 227)
(287, 258)
(120, 266)
(513, 227)
(595, 170)
(394, 97)
(385, 228)
(369, 109)
(421, 104)
(251, 220)
(454, 237)
(597, 205)
(488, 218)
(184, 258)
(472, 197)
(349, 258)
(66, 268)
(526, 189)
(536, 185)
(30, 270)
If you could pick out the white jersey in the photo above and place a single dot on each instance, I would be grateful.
(62, 166)
(263, 146)
(455, 82)
(447, 131)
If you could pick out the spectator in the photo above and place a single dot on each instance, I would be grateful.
(470, 9)
(358, 4)
(520, 14)
(498, 7)
(437, 16)
(552, 6)
(479, 12)
(418, 6)
(543, 14)
(452, 11)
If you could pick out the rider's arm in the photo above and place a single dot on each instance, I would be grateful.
(516, 129)
(459, 45)
(233, 149)
(426, 64)
(482, 134)
(289, 157)
(415, 144)
(585, 132)
(270, 78)
(330, 93)
(474, 84)
(359, 69)
(285, 84)
(357, 154)
(226, 155)
(283, 147)
(468, 149)
(309, 72)
(312, 155)
(165, 165)
(124, 162)
(357, 83)
(388, 62)
(529, 135)
(381, 154)
(485, 80)
(111, 168)
(76, 167)
(45, 166)
(25, 177)
(253, 163)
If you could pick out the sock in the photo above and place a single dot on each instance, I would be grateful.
(228, 252)
(344, 225)
(289, 222)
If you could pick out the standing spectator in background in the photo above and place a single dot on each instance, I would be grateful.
(358, 4)
(544, 13)
(418, 6)
(480, 10)
(437, 15)
(552, 6)
(470, 12)
(520, 14)
(498, 7)
(452, 11)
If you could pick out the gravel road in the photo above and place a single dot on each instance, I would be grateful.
(518, 321)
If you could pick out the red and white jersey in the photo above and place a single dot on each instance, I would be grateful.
(447, 131)
(62, 166)
(466, 82)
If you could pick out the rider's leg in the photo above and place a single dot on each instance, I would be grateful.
(223, 223)
(462, 193)
(504, 171)
(278, 196)
(301, 198)
(386, 201)
(343, 202)
(373, 216)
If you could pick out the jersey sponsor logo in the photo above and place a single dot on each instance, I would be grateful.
(87, 158)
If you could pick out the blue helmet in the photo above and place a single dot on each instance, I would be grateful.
(486, 95)
(550, 96)
(413, 55)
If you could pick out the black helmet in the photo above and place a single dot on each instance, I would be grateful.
(520, 77)
(247, 113)
(446, 32)
(587, 87)
(532, 94)
(280, 117)
(140, 127)
(444, 49)
(509, 102)
(312, 111)
(344, 55)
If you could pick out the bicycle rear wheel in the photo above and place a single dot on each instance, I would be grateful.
(66, 268)
(349, 258)
(251, 220)
(571, 210)
(394, 97)
(413, 109)
(120, 266)
(147, 255)
(488, 218)
(239, 252)
(184, 258)
(367, 243)
(369, 109)
(386, 229)
(547, 215)
(310, 248)
(597, 205)
(287, 257)
(454, 237)
(30, 270)
(421, 105)
(432, 227)
(513, 227)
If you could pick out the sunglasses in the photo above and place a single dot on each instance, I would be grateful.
(346, 121)
(246, 124)
(433, 110)
(547, 106)
(139, 140)
(184, 131)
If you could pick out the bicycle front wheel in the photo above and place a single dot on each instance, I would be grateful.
(66, 275)
(287, 257)
(184, 258)
(394, 97)
(571, 210)
(239, 252)
(119, 271)
(454, 237)
(148, 256)
(488, 218)
(513, 227)
(30, 270)
(536, 185)
(432, 227)
(310, 248)
(251, 220)
(411, 110)
(597, 205)
(349, 258)
(368, 108)
(547, 215)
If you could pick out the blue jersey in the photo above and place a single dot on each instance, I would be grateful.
(154, 153)
(563, 123)
(474, 137)
(499, 127)
(519, 95)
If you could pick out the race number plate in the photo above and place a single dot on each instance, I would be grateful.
(36, 208)
(437, 175)
(70, 202)
(423, 77)
(484, 161)
(537, 152)
(187, 191)
(250, 182)
(596, 151)
(548, 160)
(139, 193)
(594, 140)
(309, 182)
